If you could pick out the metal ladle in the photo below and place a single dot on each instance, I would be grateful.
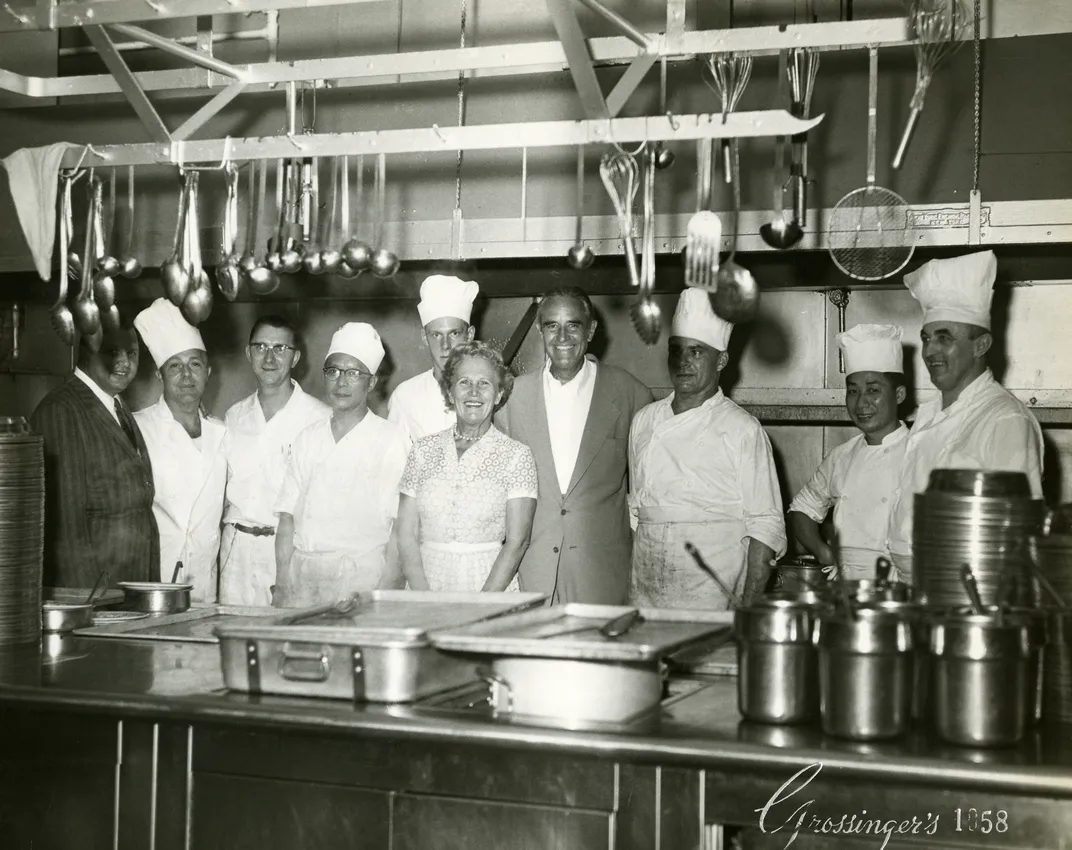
(261, 279)
(645, 313)
(173, 273)
(330, 257)
(228, 276)
(967, 578)
(130, 266)
(60, 314)
(580, 255)
(384, 263)
(356, 253)
(85, 310)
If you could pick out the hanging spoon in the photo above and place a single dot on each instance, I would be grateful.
(103, 282)
(290, 258)
(262, 280)
(228, 276)
(60, 314)
(580, 255)
(85, 310)
(173, 273)
(384, 263)
(311, 257)
(130, 265)
(356, 253)
(736, 295)
(107, 264)
(330, 257)
(197, 305)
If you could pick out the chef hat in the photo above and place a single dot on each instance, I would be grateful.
(442, 295)
(360, 340)
(166, 332)
(695, 319)
(956, 290)
(872, 348)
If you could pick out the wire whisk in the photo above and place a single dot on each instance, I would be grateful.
(727, 76)
(620, 176)
(940, 27)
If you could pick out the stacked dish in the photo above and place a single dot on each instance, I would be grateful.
(22, 532)
(980, 518)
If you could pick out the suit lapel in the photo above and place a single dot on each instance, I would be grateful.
(104, 420)
(601, 417)
(540, 444)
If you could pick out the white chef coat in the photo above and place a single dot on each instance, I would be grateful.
(857, 480)
(417, 406)
(257, 453)
(987, 427)
(567, 407)
(344, 499)
(704, 476)
(190, 476)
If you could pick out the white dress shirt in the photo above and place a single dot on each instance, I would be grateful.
(567, 412)
(107, 400)
(987, 427)
(417, 406)
(257, 453)
(858, 481)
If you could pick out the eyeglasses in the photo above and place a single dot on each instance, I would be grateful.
(278, 348)
(333, 373)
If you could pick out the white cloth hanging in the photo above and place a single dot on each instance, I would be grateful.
(33, 176)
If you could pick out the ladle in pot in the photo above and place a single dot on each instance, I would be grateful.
(99, 584)
(734, 600)
(967, 578)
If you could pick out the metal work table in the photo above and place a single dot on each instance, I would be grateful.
(157, 718)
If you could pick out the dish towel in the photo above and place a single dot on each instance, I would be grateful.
(33, 174)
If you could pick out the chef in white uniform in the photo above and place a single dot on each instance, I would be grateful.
(339, 499)
(858, 477)
(974, 422)
(260, 431)
(702, 472)
(186, 450)
(446, 306)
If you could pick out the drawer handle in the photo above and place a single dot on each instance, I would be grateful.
(304, 665)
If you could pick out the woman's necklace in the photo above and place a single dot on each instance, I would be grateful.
(458, 435)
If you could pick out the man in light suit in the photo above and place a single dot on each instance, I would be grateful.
(574, 415)
(98, 478)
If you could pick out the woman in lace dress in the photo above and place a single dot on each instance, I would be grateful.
(468, 493)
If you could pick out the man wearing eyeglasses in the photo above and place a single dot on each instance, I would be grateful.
(260, 432)
(186, 450)
(339, 498)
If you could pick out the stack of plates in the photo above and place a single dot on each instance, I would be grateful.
(989, 533)
(1057, 668)
(22, 533)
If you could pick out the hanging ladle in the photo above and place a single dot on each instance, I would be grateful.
(356, 253)
(311, 261)
(60, 314)
(736, 295)
(85, 310)
(580, 255)
(384, 262)
(330, 257)
(228, 275)
(130, 265)
(173, 273)
(664, 157)
(261, 279)
(779, 233)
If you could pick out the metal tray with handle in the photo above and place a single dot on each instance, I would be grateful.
(197, 625)
(372, 647)
(573, 631)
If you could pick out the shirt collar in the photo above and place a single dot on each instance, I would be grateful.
(716, 399)
(105, 399)
(575, 384)
(969, 393)
(891, 439)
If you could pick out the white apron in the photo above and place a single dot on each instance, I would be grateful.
(323, 578)
(247, 568)
(665, 575)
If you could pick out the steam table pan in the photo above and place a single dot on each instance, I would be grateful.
(372, 647)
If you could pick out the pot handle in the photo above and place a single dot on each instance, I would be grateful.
(501, 696)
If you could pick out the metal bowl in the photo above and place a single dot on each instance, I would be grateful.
(980, 482)
(156, 597)
(65, 617)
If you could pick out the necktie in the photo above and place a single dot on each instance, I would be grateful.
(126, 422)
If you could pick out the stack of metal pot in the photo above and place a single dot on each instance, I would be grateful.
(977, 517)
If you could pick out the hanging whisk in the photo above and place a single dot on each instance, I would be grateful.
(940, 27)
(727, 76)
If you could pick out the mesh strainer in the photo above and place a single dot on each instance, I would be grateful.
(867, 234)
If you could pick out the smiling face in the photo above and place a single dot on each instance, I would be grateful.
(475, 391)
(184, 376)
(694, 366)
(115, 365)
(347, 394)
(270, 368)
(566, 330)
(952, 357)
(442, 336)
(871, 398)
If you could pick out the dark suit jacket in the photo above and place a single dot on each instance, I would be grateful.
(98, 493)
(581, 548)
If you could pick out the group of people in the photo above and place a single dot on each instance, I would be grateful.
(570, 480)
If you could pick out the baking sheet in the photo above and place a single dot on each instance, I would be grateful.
(383, 616)
(197, 625)
(541, 633)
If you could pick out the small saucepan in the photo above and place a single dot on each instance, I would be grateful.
(156, 597)
(62, 617)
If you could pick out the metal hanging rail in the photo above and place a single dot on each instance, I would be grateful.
(537, 134)
(499, 60)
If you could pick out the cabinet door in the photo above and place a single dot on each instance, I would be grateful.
(244, 813)
(445, 823)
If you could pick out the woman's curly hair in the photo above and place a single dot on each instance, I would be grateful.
(483, 351)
